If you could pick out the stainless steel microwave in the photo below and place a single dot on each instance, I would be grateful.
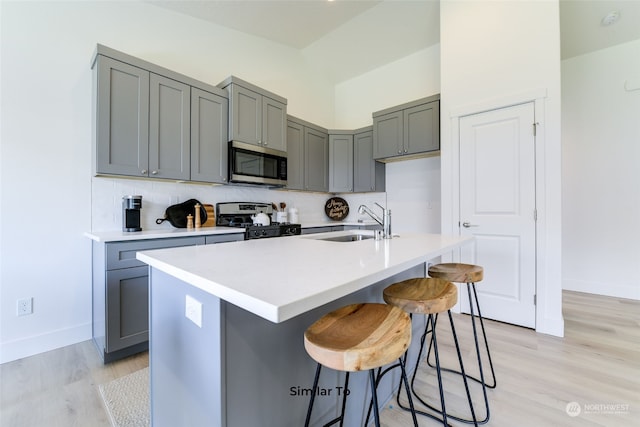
(252, 164)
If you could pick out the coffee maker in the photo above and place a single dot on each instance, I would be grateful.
(131, 206)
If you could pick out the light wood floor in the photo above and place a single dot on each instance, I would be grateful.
(597, 363)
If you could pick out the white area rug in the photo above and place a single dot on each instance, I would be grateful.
(127, 399)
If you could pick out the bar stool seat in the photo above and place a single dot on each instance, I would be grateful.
(469, 274)
(429, 296)
(358, 337)
(457, 272)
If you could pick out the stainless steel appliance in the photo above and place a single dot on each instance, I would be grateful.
(131, 206)
(251, 164)
(241, 214)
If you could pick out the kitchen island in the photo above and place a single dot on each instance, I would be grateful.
(227, 321)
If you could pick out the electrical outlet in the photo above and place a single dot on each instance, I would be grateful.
(24, 306)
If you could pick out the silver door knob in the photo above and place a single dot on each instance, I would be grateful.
(144, 172)
(154, 172)
(467, 225)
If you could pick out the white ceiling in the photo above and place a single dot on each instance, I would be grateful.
(349, 37)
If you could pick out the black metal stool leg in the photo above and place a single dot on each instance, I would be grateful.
(476, 341)
(484, 336)
(374, 396)
(313, 395)
(464, 378)
(344, 398)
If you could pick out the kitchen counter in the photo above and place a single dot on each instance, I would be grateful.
(292, 275)
(121, 236)
(227, 324)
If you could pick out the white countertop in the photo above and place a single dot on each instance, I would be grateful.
(278, 279)
(121, 236)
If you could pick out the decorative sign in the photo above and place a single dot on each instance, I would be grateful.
(336, 208)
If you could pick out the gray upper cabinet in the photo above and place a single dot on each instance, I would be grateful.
(368, 175)
(388, 131)
(142, 122)
(209, 136)
(122, 118)
(169, 128)
(316, 160)
(307, 156)
(145, 126)
(295, 156)
(256, 116)
(341, 163)
(407, 130)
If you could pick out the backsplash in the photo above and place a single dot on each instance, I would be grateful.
(106, 200)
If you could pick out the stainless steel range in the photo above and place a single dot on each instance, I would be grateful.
(239, 214)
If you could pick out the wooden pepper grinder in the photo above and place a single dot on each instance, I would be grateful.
(197, 215)
(189, 221)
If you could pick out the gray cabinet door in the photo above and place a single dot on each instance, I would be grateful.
(295, 156)
(316, 160)
(274, 122)
(122, 118)
(169, 128)
(245, 120)
(209, 136)
(340, 163)
(422, 128)
(223, 238)
(127, 308)
(387, 135)
(364, 170)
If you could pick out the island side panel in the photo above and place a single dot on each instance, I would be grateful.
(186, 361)
(269, 372)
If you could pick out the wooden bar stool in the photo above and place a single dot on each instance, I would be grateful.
(430, 297)
(359, 337)
(469, 274)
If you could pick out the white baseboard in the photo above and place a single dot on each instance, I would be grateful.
(598, 288)
(29, 346)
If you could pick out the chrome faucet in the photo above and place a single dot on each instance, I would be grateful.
(385, 222)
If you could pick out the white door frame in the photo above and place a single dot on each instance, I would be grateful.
(549, 295)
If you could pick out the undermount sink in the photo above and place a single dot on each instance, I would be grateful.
(348, 238)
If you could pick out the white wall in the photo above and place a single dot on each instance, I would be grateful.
(413, 186)
(491, 53)
(46, 189)
(601, 172)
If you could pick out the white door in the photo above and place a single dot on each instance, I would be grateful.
(497, 206)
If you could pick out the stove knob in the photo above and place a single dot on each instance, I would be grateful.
(256, 233)
(264, 232)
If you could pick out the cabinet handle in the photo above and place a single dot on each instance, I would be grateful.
(144, 172)
(154, 172)
(264, 143)
(399, 151)
(406, 151)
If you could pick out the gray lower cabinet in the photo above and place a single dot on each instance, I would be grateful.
(121, 292)
(307, 156)
(324, 229)
(407, 130)
(256, 116)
